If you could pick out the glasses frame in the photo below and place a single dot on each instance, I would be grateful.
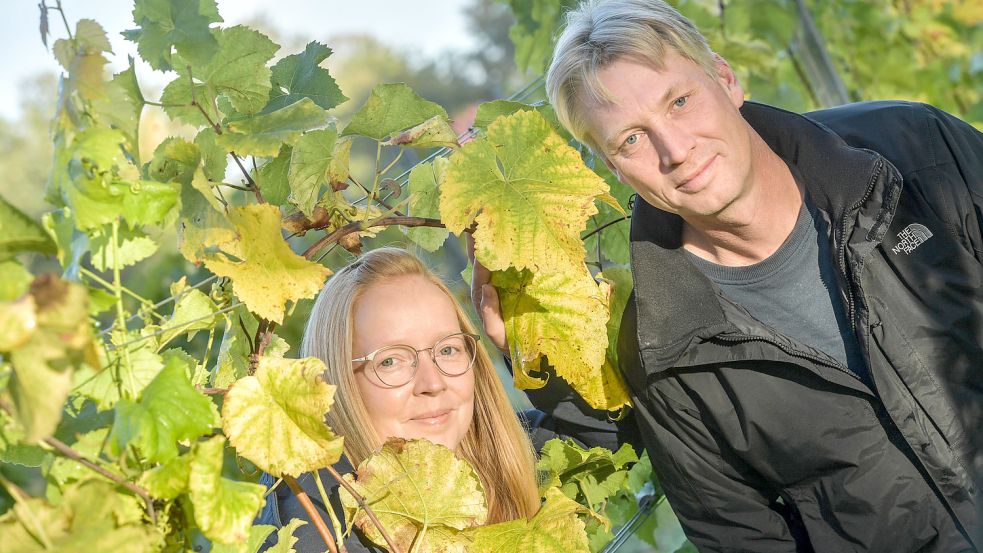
(369, 357)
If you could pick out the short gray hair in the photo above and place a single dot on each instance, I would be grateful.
(597, 33)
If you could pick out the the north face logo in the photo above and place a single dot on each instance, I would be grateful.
(911, 237)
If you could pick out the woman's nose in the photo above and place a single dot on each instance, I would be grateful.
(428, 379)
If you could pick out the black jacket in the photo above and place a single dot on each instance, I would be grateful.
(764, 444)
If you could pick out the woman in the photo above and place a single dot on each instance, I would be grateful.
(369, 324)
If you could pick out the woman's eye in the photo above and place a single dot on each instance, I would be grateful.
(680, 102)
(387, 362)
(447, 351)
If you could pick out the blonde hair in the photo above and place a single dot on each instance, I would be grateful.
(496, 444)
(599, 32)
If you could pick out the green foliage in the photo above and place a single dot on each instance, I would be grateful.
(392, 108)
(554, 529)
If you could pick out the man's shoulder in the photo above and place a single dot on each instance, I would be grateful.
(906, 133)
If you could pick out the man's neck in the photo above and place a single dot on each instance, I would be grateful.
(754, 226)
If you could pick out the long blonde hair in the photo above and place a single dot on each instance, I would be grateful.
(496, 445)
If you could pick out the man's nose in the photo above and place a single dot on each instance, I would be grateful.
(672, 143)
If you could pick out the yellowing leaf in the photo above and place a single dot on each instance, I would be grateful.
(561, 316)
(264, 133)
(528, 191)
(435, 132)
(224, 509)
(389, 109)
(168, 480)
(556, 528)
(266, 272)
(276, 417)
(421, 493)
(313, 163)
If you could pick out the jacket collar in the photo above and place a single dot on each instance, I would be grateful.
(675, 303)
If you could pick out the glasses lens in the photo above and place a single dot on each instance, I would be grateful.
(394, 365)
(455, 354)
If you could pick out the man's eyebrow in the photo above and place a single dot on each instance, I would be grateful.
(612, 141)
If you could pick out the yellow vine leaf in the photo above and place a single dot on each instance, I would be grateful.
(528, 191)
(275, 418)
(422, 494)
(560, 316)
(224, 509)
(266, 272)
(556, 528)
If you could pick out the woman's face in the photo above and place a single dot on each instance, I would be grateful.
(412, 311)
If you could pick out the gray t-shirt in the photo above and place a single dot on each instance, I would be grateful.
(795, 292)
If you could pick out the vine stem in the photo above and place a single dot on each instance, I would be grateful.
(356, 226)
(249, 179)
(604, 226)
(64, 19)
(330, 509)
(120, 315)
(67, 451)
(316, 518)
(365, 507)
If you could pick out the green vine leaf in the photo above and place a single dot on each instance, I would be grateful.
(315, 162)
(528, 192)
(300, 76)
(556, 528)
(193, 311)
(560, 316)
(424, 188)
(169, 479)
(266, 272)
(271, 177)
(224, 509)
(14, 280)
(169, 410)
(275, 418)
(215, 159)
(421, 492)
(128, 374)
(391, 108)
(19, 233)
(590, 476)
(174, 24)
(134, 246)
(82, 56)
(237, 72)
(233, 357)
(265, 133)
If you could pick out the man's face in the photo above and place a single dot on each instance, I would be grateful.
(675, 135)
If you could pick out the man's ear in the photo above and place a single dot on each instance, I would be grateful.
(728, 80)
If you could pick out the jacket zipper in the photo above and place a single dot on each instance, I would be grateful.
(739, 338)
(851, 302)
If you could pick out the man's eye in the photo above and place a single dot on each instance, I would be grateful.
(631, 139)
(680, 102)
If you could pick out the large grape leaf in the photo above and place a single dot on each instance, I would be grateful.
(424, 190)
(266, 272)
(18, 233)
(275, 418)
(421, 492)
(528, 191)
(560, 316)
(237, 71)
(315, 161)
(224, 508)
(265, 133)
(180, 24)
(271, 177)
(301, 76)
(169, 410)
(391, 108)
(92, 516)
(556, 528)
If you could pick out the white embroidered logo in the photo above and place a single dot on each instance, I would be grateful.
(911, 237)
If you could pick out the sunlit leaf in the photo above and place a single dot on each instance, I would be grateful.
(416, 487)
(313, 163)
(264, 134)
(266, 272)
(391, 108)
(167, 24)
(168, 480)
(275, 418)
(18, 233)
(133, 246)
(560, 316)
(224, 508)
(528, 191)
(556, 528)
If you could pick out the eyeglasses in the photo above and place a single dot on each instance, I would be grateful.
(396, 365)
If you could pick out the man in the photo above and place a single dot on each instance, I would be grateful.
(807, 317)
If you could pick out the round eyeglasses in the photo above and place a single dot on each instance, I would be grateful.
(396, 365)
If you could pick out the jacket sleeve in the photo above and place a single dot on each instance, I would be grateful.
(721, 505)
